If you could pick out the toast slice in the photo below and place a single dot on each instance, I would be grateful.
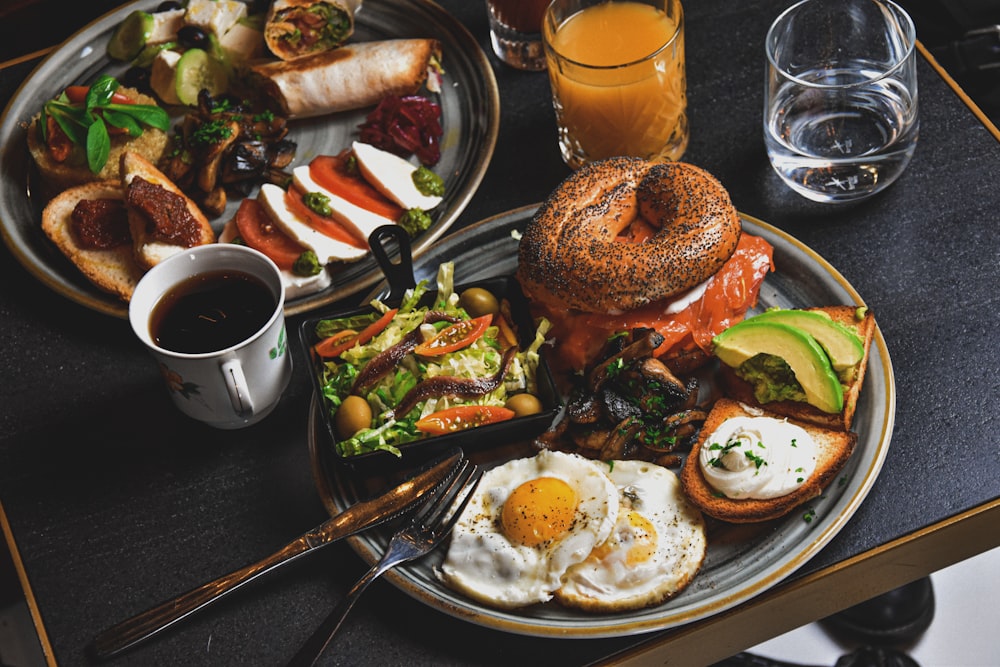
(57, 176)
(163, 220)
(862, 321)
(112, 269)
(833, 450)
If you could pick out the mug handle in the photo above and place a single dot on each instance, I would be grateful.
(236, 384)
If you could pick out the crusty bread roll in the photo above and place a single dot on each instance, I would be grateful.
(349, 77)
(736, 388)
(149, 250)
(834, 449)
(113, 270)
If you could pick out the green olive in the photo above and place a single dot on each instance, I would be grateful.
(478, 302)
(353, 415)
(524, 404)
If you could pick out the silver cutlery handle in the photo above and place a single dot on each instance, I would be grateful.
(318, 641)
(143, 626)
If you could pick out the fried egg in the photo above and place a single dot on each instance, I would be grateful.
(529, 522)
(656, 548)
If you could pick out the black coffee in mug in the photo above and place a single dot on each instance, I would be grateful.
(211, 311)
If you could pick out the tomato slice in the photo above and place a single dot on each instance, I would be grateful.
(322, 223)
(330, 171)
(78, 95)
(337, 344)
(455, 337)
(57, 143)
(461, 417)
(260, 233)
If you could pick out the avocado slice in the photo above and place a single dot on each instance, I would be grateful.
(843, 346)
(799, 350)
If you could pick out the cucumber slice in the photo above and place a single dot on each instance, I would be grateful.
(131, 35)
(196, 70)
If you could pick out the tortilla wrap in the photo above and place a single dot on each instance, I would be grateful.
(297, 28)
(350, 77)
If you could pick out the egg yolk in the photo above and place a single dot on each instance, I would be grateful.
(639, 541)
(539, 511)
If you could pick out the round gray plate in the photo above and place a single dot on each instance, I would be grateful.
(742, 561)
(470, 109)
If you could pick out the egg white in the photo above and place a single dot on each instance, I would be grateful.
(656, 548)
(487, 565)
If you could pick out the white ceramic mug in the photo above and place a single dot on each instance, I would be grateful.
(230, 387)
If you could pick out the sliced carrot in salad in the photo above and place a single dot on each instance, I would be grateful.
(344, 340)
(455, 336)
(461, 417)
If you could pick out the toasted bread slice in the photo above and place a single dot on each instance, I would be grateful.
(57, 176)
(163, 220)
(113, 269)
(833, 450)
(860, 320)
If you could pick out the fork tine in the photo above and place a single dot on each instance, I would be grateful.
(431, 511)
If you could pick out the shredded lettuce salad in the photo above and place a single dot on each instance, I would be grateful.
(480, 359)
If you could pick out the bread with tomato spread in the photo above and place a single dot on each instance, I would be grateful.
(162, 219)
(89, 225)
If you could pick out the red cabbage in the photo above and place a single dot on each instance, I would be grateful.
(405, 126)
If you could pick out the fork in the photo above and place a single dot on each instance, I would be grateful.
(431, 523)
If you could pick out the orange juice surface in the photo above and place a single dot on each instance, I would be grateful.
(624, 91)
(613, 33)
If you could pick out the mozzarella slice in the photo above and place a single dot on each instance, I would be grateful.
(392, 176)
(327, 249)
(361, 219)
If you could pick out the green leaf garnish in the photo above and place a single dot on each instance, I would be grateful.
(98, 146)
(87, 125)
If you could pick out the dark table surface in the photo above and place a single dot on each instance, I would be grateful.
(115, 502)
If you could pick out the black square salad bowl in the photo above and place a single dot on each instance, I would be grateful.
(425, 368)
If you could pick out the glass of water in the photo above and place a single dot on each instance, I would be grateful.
(840, 106)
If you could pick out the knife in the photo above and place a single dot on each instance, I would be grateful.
(352, 520)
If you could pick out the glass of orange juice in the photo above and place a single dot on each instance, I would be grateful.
(616, 68)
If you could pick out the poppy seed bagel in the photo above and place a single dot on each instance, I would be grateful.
(569, 253)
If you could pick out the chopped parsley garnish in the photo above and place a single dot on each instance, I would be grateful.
(211, 132)
(757, 460)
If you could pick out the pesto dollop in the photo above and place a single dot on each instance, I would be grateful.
(428, 183)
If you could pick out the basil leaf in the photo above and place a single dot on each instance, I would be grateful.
(122, 120)
(98, 145)
(100, 91)
(43, 124)
(149, 114)
(72, 126)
